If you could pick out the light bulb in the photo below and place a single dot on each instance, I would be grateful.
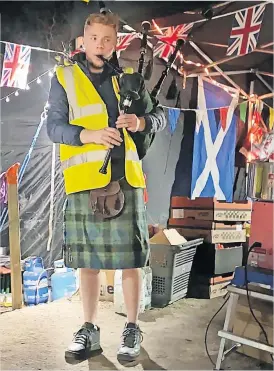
(16, 93)
(7, 99)
(27, 87)
(50, 74)
(38, 80)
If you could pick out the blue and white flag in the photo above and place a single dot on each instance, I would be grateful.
(214, 143)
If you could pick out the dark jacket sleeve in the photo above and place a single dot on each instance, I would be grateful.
(57, 117)
(155, 120)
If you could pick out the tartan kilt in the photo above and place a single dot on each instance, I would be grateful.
(121, 242)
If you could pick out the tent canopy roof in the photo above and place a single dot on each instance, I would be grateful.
(213, 31)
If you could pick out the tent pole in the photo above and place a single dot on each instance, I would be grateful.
(260, 49)
(227, 59)
(265, 96)
(267, 45)
(220, 61)
(211, 44)
(195, 47)
(266, 73)
(264, 82)
(249, 125)
(250, 106)
(267, 51)
(218, 73)
(14, 237)
(226, 46)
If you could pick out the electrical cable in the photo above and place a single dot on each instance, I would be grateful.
(207, 328)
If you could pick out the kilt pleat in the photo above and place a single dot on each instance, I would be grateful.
(121, 242)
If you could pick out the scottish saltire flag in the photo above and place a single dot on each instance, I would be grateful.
(15, 66)
(214, 143)
(245, 30)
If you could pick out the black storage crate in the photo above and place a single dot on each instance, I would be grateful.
(213, 261)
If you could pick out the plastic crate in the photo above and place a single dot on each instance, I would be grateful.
(171, 266)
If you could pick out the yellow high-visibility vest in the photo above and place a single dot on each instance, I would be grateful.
(81, 164)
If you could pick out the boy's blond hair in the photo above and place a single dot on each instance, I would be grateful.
(108, 19)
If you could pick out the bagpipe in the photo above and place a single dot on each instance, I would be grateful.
(135, 98)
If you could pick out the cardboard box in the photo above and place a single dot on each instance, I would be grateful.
(107, 285)
(220, 289)
(221, 279)
(204, 290)
(167, 237)
(208, 208)
(209, 203)
(165, 240)
(214, 236)
(211, 280)
(203, 224)
(154, 228)
(244, 325)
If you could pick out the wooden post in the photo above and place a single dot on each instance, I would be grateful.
(14, 236)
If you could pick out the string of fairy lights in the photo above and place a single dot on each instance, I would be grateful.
(180, 71)
(37, 79)
(50, 73)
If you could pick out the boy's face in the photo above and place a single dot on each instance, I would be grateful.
(99, 40)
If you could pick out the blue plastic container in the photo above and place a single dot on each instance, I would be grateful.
(35, 281)
(63, 281)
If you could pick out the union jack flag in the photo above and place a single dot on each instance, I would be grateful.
(15, 66)
(167, 42)
(245, 31)
(124, 41)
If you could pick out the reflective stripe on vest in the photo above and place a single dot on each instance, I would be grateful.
(75, 112)
(94, 156)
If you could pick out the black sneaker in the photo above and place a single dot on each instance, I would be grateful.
(131, 343)
(86, 343)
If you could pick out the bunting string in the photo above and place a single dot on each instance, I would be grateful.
(37, 48)
(37, 79)
(199, 109)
